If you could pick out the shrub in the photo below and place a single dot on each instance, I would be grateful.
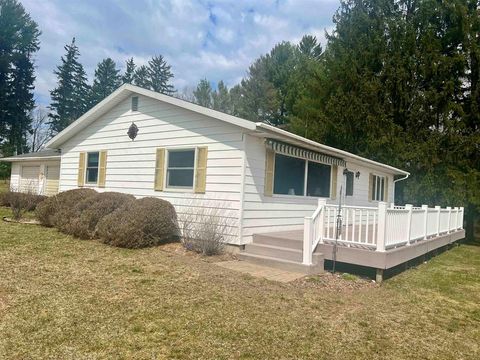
(56, 210)
(88, 212)
(204, 230)
(141, 223)
(21, 202)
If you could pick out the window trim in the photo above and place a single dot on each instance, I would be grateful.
(86, 182)
(165, 175)
(304, 195)
(382, 193)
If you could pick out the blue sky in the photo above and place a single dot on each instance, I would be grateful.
(216, 40)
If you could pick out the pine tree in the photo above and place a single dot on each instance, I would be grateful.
(203, 94)
(221, 98)
(70, 98)
(19, 42)
(107, 80)
(159, 73)
(128, 76)
(309, 47)
(141, 77)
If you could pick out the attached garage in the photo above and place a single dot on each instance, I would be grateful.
(38, 172)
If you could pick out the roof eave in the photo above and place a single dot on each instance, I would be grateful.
(15, 159)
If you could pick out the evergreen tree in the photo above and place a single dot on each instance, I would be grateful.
(221, 98)
(18, 44)
(159, 73)
(309, 47)
(141, 77)
(203, 94)
(70, 98)
(128, 76)
(107, 80)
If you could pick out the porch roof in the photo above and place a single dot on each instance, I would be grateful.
(47, 154)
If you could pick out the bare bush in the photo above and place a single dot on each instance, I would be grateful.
(204, 229)
(56, 210)
(87, 213)
(21, 202)
(140, 223)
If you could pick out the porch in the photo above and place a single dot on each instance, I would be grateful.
(379, 237)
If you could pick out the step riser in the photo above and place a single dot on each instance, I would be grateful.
(278, 264)
(285, 254)
(274, 241)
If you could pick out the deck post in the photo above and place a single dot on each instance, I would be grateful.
(382, 225)
(322, 203)
(449, 208)
(379, 276)
(409, 207)
(438, 219)
(461, 217)
(307, 240)
(456, 217)
(425, 221)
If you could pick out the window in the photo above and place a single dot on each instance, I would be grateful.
(318, 179)
(135, 103)
(378, 188)
(349, 184)
(289, 175)
(91, 175)
(180, 168)
(294, 176)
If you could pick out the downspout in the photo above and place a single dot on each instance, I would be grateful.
(395, 182)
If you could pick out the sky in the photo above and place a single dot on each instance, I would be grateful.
(216, 39)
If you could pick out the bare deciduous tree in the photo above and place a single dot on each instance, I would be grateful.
(41, 131)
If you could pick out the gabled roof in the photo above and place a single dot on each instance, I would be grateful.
(259, 129)
(39, 155)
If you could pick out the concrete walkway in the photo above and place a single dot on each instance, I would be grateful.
(261, 271)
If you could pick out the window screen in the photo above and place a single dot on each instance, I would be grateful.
(318, 179)
(181, 164)
(349, 185)
(289, 176)
(135, 103)
(92, 168)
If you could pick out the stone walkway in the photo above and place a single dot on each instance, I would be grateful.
(261, 271)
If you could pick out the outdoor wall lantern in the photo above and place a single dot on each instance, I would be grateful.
(132, 131)
(357, 175)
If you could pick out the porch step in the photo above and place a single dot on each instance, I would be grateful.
(274, 251)
(282, 264)
(267, 239)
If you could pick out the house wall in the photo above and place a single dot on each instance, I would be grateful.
(286, 212)
(131, 164)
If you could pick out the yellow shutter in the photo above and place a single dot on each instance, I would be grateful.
(269, 170)
(159, 169)
(385, 190)
(81, 170)
(370, 186)
(333, 189)
(201, 170)
(102, 168)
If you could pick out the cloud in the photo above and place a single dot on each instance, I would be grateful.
(215, 39)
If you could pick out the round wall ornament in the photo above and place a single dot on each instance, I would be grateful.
(132, 131)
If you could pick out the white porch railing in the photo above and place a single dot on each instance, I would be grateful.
(377, 228)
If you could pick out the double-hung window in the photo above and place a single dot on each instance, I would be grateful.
(180, 168)
(378, 188)
(295, 176)
(91, 172)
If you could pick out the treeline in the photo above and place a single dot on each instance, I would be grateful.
(74, 96)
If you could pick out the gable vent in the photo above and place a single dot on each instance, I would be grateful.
(135, 103)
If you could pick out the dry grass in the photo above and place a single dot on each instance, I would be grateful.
(63, 298)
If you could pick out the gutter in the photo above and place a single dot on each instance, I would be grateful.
(395, 182)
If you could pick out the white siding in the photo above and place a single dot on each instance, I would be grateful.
(30, 175)
(285, 212)
(131, 164)
(15, 176)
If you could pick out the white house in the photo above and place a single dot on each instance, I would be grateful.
(263, 179)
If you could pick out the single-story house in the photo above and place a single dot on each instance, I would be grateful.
(278, 191)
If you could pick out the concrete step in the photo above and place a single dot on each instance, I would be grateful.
(274, 251)
(286, 265)
(265, 239)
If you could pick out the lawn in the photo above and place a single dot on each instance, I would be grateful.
(64, 298)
